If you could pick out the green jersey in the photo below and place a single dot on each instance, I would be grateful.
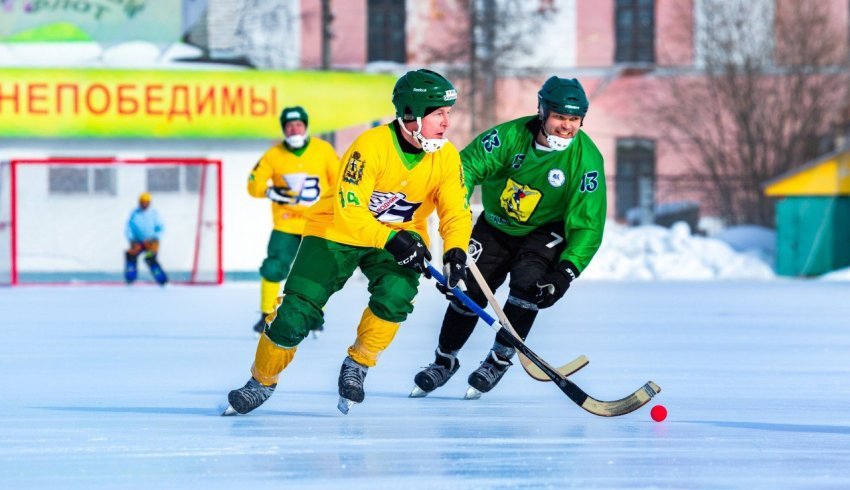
(523, 187)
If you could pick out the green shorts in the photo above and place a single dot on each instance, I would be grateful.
(321, 268)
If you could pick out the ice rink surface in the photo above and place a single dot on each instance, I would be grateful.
(117, 387)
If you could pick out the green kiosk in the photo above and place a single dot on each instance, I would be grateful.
(813, 216)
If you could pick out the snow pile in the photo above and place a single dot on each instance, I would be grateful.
(839, 275)
(653, 252)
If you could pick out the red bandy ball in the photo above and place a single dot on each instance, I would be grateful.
(658, 413)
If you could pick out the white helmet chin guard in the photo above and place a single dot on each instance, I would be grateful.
(296, 140)
(556, 143)
(428, 145)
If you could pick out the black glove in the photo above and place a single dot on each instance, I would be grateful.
(409, 251)
(555, 283)
(454, 269)
(281, 195)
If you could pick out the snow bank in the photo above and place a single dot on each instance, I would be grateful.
(654, 252)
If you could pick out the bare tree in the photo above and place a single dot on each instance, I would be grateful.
(762, 99)
(487, 39)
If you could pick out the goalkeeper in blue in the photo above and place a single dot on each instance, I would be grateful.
(143, 230)
(543, 190)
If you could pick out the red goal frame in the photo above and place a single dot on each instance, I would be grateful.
(216, 166)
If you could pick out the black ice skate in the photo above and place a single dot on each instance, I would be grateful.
(260, 326)
(487, 375)
(249, 397)
(435, 375)
(351, 376)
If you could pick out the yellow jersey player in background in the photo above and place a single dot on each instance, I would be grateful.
(394, 177)
(294, 175)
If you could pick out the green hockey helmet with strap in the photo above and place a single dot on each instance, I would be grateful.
(417, 91)
(562, 95)
(295, 113)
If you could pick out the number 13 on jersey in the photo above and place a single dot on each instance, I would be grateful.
(589, 182)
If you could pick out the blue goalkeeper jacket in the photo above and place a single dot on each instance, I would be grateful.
(144, 224)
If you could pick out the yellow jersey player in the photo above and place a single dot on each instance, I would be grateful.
(394, 177)
(294, 175)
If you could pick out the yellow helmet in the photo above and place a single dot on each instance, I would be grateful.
(145, 197)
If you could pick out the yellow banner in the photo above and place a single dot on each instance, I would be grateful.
(84, 103)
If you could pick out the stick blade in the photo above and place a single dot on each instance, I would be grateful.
(565, 370)
(624, 405)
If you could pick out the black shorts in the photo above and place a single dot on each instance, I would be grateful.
(525, 258)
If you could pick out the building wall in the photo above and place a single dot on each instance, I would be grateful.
(578, 40)
(348, 44)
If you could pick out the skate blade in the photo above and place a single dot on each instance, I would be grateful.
(472, 394)
(229, 411)
(344, 404)
(417, 392)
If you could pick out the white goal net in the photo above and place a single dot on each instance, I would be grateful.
(63, 220)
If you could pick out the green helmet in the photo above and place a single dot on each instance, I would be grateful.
(296, 113)
(562, 95)
(417, 91)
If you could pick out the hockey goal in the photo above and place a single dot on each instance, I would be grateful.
(62, 220)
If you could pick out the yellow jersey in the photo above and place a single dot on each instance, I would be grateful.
(307, 176)
(379, 191)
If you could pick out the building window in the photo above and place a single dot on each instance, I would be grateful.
(720, 39)
(81, 180)
(635, 177)
(635, 25)
(163, 179)
(193, 178)
(386, 31)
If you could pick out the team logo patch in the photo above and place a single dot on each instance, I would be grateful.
(519, 200)
(474, 250)
(556, 177)
(391, 207)
(353, 169)
(491, 140)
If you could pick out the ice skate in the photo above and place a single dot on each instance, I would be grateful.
(131, 270)
(351, 376)
(260, 326)
(487, 375)
(156, 270)
(435, 375)
(249, 397)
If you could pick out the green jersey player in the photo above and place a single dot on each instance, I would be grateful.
(543, 190)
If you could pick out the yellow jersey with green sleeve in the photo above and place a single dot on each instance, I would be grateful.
(382, 189)
(306, 175)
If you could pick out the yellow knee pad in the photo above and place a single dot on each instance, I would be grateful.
(373, 336)
(270, 360)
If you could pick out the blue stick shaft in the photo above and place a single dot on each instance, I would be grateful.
(466, 300)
